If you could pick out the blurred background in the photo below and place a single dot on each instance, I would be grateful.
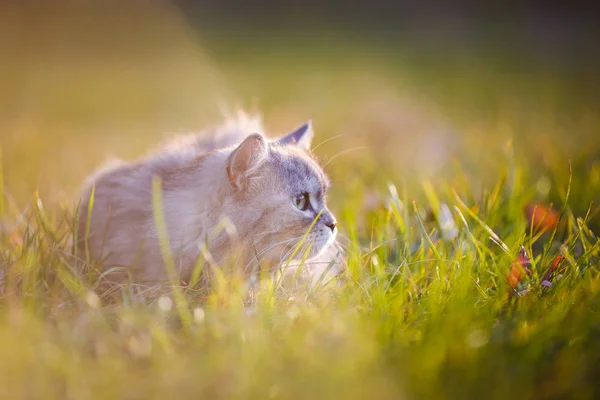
(407, 90)
(498, 100)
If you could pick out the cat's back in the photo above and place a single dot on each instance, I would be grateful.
(126, 185)
(180, 149)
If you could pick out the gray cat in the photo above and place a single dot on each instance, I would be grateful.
(230, 197)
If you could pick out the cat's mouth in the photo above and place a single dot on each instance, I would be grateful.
(318, 242)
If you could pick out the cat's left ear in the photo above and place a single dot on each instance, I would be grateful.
(246, 159)
(300, 137)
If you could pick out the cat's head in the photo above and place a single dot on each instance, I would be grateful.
(280, 190)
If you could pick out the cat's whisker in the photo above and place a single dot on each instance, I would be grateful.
(344, 152)
(257, 256)
(327, 140)
(286, 241)
(294, 245)
(283, 257)
(264, 233)
(301, 251)
(304, 246)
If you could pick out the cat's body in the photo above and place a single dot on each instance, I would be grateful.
(228, 197)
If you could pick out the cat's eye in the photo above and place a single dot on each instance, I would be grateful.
(302, 202)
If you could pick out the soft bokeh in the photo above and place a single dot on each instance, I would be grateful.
(483, 107)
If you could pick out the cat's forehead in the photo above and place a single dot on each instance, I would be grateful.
(298, 170)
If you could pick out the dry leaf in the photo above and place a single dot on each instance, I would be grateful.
(556, 267)
(519, 268)
(541, 216)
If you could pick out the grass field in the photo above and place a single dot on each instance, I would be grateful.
(434, 153)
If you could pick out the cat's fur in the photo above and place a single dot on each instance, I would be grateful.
(227, 199)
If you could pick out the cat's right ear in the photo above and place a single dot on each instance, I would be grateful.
(301, 137)
(245, 159)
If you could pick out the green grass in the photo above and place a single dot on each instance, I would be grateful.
(415, 316)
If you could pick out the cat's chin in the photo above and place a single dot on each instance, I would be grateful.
(322, 242)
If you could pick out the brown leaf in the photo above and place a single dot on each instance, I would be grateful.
(519, 268)
(541, 216)
(556, 267)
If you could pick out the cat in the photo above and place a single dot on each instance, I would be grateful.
(230, 195)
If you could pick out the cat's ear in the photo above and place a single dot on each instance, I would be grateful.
(245, 159)
(300, 137)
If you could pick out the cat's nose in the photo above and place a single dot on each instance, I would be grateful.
(328, 219)
(331, 225)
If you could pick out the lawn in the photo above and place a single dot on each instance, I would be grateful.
(439, 151)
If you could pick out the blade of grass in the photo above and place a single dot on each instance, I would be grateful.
(88, 222)
(494, 236)
(425, 234)
(165, 249)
